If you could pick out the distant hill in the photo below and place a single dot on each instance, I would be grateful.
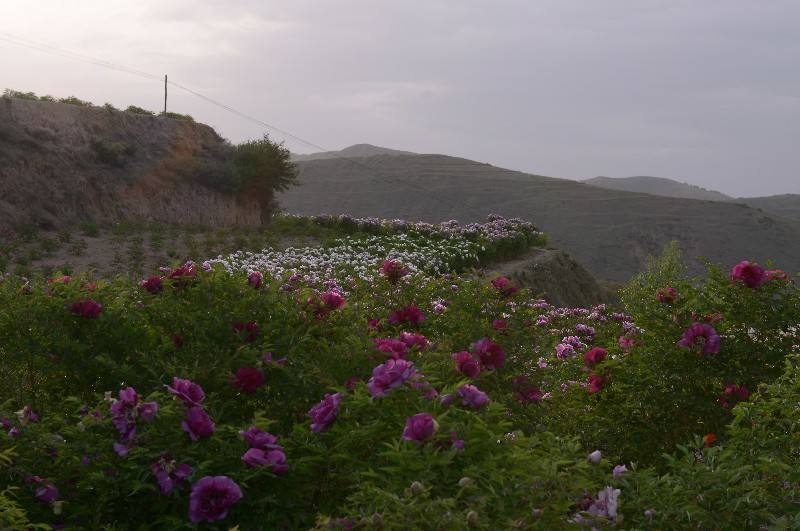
(787, 205)
(610, 232)
(658, 186)
(358, 150)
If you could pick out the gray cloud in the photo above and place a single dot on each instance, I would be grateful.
(701, 91)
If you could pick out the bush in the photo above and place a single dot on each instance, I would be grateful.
(176, 116)
(9, 93)
(138, 110)
(72, 100)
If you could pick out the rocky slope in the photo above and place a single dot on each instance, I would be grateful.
(61, 164)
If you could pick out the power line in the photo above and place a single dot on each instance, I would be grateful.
(21, 41)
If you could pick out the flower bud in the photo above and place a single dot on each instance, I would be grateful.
(537, 513)
(417, 488)
(473, 518)
(377, 519)
(463, 482)
(595, 456)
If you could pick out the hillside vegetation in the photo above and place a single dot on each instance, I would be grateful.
(608, 232)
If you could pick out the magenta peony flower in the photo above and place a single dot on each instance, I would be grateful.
(393, 271)
(503, 286)
(255, 279)
(198, 423)
(389, 375)
(500, 324)
(751, 274)
(183, 276)
(732, 395)
(46, 494)
(529, 394)
(153, 284)
(701, 334)
(419, 427)
(472, 396)
(666, 294)
(489, 352)
(86, 308)
(467, 363)
(262, 440)
(248, 379)
(596, 355)
(333, 300)
(596, 383)
(247, 332)
(409, 315)
(395, 348)
(211, 498)
(324, 413)
(188, 391)
(411, 340)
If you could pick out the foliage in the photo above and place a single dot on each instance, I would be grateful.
(72, 100)
(10, 93)
(138, 110)
(115, 154)
(398, 394)
(176, 116)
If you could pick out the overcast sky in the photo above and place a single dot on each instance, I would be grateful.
(699, 91)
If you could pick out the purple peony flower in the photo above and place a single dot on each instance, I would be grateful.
(419, 427)
(262, 440)
(701, 334)
(489, 352)
(198, 423)
(248, 379)
(274, 459)
(127, 409)
(467, 363)
(46, 494)
(595, 456)
(472, 396)
(619, 470)
(169, 474)
(188, 391)
(389, 375)
(324, 413)
(751, 274)
(211, 498)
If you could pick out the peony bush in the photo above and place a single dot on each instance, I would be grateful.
(368, 384)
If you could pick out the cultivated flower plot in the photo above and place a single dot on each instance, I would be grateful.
(367, 385)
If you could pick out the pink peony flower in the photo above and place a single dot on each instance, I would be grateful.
(188, 391)
(86, 308)
(153, 284)
(503, 286)
(751, 274)
(472, 396)
(408, 315)
(247, 332)
(211, 498)
(395, 348)
(411, 340)
(393, 271)
(701, 334)
(489, 352)
(596, 355)
(596, 383)
(467, 364)
(732, 395)
(419, 427)
(255, 279)
(666, 294)
(324, 413)
(182, 276)
(260, 439)
(390, 375)
(248, 379)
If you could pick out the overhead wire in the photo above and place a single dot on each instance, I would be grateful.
(22, 41)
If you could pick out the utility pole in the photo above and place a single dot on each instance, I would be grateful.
(165, 93)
